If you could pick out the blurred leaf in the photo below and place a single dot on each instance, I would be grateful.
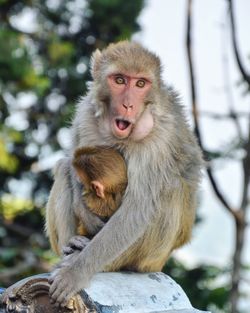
(14, 60)
(12, 135)
(11, 206)
(219, 296)
(8, 162)
(8, 255)
(38, 83)
(60, 52)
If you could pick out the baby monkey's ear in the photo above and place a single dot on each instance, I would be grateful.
(98, 188)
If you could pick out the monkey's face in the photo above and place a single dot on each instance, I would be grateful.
(127, 78)
(128, 96)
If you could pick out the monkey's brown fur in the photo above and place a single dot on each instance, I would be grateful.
(163, 166)
(106, 166)
(101, 164)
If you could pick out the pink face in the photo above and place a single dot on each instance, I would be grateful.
(128, 94)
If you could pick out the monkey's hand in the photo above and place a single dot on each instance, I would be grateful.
(76, 243)
(68, 279)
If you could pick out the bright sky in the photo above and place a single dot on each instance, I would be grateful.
(163, 31)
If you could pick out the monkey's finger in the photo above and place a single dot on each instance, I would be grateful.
(64, 298)
(68, 250)
(79, 243)
(55, 298)
(61, 296)
(50, 280)
(75, 237)
(77, 247)
(52, 289)
(52, 276)
(79, 239)
(55, 287)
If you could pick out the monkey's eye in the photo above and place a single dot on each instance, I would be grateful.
(140, 83)
(120, 80)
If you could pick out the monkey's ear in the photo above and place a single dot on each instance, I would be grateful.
(99, 188)
(95, 63)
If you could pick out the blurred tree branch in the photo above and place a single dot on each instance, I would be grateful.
(240, 225)
(239, 213)
(216, 189)
(221, 116)
(243, 71)
(232, 112)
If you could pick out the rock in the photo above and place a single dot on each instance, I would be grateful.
(123, 292)
(135, 292)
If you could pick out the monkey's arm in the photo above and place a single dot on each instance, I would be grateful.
(123, 229)
(60, 222)
(50, 226)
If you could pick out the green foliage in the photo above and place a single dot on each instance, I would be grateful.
(11, 206)
(121, 25)
(60, 53)
(8, 162)
(13, 58)
(7, 258)
(17, 71)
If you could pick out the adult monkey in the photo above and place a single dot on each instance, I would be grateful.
(129, 107)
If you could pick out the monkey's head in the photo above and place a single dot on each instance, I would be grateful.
(103, 173)
(127, 78)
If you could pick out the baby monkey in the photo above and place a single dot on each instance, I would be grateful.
(102, 173)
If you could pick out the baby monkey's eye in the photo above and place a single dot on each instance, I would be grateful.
(140, 83)
(120, 80)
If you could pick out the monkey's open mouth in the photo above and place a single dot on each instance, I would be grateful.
(121, 128)
(122, 124)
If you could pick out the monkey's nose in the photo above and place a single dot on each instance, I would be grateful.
(127, 106)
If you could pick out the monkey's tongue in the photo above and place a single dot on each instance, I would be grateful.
(122, 125)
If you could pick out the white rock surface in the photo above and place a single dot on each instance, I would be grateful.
(137, 293)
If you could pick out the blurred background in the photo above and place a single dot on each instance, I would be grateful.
(45, 47)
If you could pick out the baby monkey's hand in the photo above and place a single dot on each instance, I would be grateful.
(76, 243)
